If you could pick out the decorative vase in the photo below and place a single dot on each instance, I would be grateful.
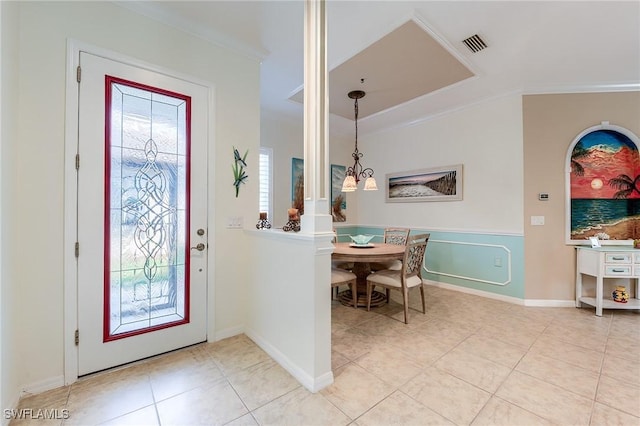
(294, 221)
(263, 223)
(620, 294)
(292, 225)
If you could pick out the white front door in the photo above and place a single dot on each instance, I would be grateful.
(142, 213)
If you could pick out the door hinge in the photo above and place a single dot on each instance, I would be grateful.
(77, 161)
(77, 337)
(78, 74)
(77, 249)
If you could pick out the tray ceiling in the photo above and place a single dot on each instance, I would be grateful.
(403, 65)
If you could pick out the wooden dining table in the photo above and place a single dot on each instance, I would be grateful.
(361, 258)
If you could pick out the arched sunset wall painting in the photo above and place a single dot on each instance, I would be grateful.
(605, 187)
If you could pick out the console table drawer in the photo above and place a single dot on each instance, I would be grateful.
(636, 257)
(618, 258)
(617, 270)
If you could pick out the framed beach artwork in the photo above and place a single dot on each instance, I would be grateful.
(603, 181)
(433, 184)
(338, 198)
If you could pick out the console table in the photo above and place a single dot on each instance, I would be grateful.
(608, 262)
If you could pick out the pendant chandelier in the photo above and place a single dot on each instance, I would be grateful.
(356, 172)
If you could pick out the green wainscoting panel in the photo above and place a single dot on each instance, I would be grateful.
(487, 262)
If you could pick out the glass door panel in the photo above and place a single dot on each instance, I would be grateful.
(146, 234)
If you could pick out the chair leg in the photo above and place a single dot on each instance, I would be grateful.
(388, 295)
(405, 302)
(368, 296)
(424, 309)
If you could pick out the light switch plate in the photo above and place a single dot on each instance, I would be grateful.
(235, 222)
(537, 220)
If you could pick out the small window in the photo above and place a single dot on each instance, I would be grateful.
(266, 179)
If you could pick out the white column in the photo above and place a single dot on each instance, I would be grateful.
(316, 218)
(288, 288)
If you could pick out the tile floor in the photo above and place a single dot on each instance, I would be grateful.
(468, 361)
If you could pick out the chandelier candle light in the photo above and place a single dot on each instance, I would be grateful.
(356, 172)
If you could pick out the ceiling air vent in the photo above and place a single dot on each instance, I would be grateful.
(475, 43)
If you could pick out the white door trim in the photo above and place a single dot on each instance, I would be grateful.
(70, 274)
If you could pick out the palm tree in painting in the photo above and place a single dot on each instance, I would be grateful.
(578, 153)
(625, 186)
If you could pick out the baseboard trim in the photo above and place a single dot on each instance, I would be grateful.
(544, 303)
(43, 386)
(541, 303)
(482, 293)
(227, 332)
(313, 384)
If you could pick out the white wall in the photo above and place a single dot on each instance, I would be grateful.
(285, 138)
(38, 163)
(290, 307)
(486, 138)
(9, 359)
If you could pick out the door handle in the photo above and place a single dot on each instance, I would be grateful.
(199, 247)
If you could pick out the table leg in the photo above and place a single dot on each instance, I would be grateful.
(599, 283)
(578, 289)
(362, 271)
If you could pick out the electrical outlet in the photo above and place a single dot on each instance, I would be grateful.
(497, 261)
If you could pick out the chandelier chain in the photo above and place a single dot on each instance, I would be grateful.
(355, 108)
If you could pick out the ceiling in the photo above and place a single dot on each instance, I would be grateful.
(403, 65)
(533, 47)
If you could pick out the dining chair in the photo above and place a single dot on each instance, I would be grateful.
(340, 265)
(398, 236)
(409, 275)
(341, 277)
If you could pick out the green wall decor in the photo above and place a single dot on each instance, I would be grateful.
(239, 163)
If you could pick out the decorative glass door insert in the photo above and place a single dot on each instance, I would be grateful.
(146, 279)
